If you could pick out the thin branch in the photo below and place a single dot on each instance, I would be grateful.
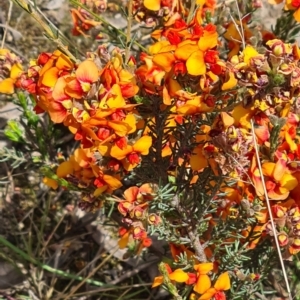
(199, 249)
(224, 3)
(195, 240)
(7, 22)
(270, 213)
(131, 273)
(241, 23)
(105, 22)
(128, 35)
(85, 280)
(114, 288)
(27, 6)
(191, 11)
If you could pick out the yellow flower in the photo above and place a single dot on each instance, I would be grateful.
(222, 284)
(177, 275)
(130, 154)
(203, 281)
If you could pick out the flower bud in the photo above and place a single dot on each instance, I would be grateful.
(154, 219)
(122, 231)
(125, 207)
(138, 212)
(296, 229)
(234, 60)
(139, 233)
(282, 239)
(279, 48)
(147, 242)
(295, 247)
(253, 276)
(278, 211)
(285, 69)
(294, 212)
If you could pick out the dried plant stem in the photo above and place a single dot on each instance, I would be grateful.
(129, 24)
(6, 25)
(224, 3)
(120, 287)
(191, 11)
(241, 24)
(270, 213)
(87, 267)
(47, 268)
(136, 270)
(25, 5)
(74, 289)
(51, 235)
(98, 18)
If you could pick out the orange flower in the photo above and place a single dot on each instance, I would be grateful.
(86, 74)
(130, 155)
(177, 275)
(50, 182)
(198, 160)
(193, 104)
(125, 235)
(11, 68)
(203, 281)
(82, 166)
(41, 79)
(222, 284)
(279, 182)
(293, 5)
(82, 21)
(114, 73)
(150, 74)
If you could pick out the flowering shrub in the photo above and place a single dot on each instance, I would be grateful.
(204, 126)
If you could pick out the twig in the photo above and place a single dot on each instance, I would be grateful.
(241, 23)
(9, 176)
(270, 213)
(195, 241)
(238, 30)
(26, 6)
(97, 256)
(98, 290)
(98, 18)
(85, 280)
(129, 24)
(32, 260)
(199, 249)
(224, 3)
(7, 22)
(51, 234)
(191, 11)
(133, 272)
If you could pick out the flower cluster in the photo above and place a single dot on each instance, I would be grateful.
(136, 216)
(291, 5)
(93, 103)
(184, 116)
(200, 279)
(10, 69)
